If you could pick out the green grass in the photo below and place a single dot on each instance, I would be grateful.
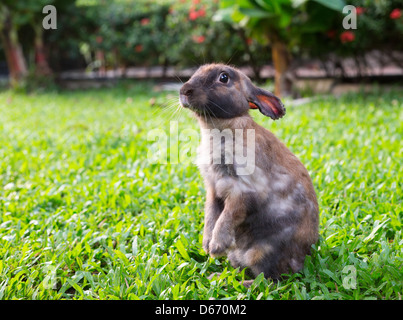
(83, 215)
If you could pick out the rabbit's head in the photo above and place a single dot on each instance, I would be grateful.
(220, 91)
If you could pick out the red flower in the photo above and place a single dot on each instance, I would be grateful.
(249, 41)
(360, 10)
(99, 39)
(144, 21)
(138, 48)
(193, 15)
(201, 12)
(199, 39)
(395, 14)
(347, 36)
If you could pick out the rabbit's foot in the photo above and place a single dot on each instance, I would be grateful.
(220, 244)
(206, 243)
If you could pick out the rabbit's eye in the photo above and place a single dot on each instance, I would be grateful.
(223, 77)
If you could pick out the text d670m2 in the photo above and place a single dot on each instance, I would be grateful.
(222, 309)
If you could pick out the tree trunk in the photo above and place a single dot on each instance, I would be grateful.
(15, 59)
(41, 63)
(100, 57)
(282, 62)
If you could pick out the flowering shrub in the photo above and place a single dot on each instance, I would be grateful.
(379, 27)
(195, 38)
(147, 33)
(184, 33)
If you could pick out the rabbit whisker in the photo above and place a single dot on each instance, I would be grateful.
(211, 118)
(218, 106)
(167, 109)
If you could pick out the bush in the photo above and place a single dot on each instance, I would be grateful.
(184, 33)
(379, 27)
(152, 33)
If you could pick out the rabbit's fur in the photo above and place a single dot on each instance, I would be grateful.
(266, 220)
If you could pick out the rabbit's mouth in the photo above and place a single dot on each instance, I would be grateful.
(184, 100)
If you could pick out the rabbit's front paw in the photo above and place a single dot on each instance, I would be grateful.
(219, 245)
(206, 243)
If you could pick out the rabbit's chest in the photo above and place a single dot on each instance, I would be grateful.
(226, 183)
(230, 174)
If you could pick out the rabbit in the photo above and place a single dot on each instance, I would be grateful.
(265, 220)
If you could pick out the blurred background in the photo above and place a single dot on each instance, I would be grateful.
(300, 45)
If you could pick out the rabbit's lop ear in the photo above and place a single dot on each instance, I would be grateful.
(266, 102)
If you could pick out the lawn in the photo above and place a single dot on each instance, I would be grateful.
(85, 215)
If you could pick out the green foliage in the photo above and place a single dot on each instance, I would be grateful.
(373, 17)
(315, 27)
(285, 20)
(83, 216)
(146, 33)
(24, 11)
(187, 33)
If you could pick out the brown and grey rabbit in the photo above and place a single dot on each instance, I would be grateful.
(266, 218)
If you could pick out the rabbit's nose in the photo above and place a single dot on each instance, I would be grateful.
(186, 90)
